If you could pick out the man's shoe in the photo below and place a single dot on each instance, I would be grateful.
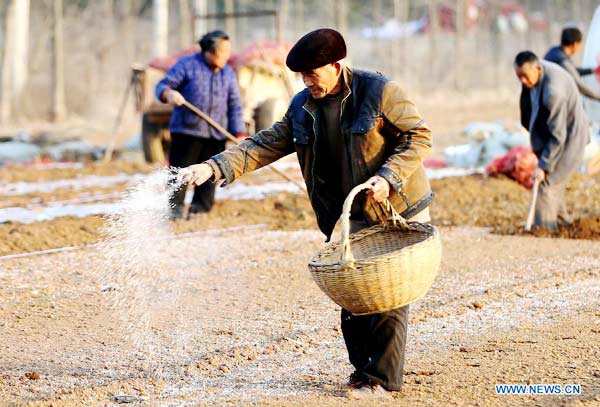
(369, 391)
(194, 208)
(176, 213)
(354, 380)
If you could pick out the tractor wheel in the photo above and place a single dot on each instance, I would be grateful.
(270, 111)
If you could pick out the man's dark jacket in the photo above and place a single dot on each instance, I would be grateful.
(558, 56)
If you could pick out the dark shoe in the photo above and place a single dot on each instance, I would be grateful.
(564, 221)
(369, 391)
(194, 208)
(355, 380)
(176, 213)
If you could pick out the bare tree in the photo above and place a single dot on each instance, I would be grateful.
(185, 30)
(160, 27)
(401, 8)
(230, 21)
(433, 36)
(284, 11)
(5, 88)
(459, 44)
(299, 20)
(21, 47)
(340, 12)
(15, 53)
(58, 77)
(200, 26)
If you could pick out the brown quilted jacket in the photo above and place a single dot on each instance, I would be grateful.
(387, 137)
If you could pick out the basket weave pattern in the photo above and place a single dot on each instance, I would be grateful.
(379, 268)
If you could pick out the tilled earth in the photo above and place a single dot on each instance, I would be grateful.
(234, 318)
(497, 203)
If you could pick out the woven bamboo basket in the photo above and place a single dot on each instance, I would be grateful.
(379, 268)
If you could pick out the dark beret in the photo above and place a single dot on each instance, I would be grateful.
(316, 49)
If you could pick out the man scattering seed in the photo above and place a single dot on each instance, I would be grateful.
(347, 127)
(552, 111)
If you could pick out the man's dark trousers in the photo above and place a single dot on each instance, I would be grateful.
(376, 345)
(187, 150)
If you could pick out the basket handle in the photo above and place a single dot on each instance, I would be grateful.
(397, 220)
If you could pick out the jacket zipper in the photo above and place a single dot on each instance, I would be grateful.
(210, 101)
(314, 157)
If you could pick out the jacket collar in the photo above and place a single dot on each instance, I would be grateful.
(205, 64)
(311, 105)
(543, 75)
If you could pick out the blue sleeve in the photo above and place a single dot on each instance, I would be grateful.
(173, 78)
(235, 115)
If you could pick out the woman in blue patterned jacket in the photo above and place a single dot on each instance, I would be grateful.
(205, 80)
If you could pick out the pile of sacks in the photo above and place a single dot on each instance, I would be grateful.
(267, 53)
(519, 164)
(502, 149)
(22, 147)
(486, 142)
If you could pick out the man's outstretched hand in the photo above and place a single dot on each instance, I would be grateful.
(196, 174)
(380, 188)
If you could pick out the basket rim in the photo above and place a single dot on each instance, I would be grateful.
(338, 263)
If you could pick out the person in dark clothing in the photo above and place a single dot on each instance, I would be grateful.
(347, 127)
(552, 111)
(570, 43)
(206, 81)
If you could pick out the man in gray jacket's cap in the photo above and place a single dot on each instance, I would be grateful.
(552, 111)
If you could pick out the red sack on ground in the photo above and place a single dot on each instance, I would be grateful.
(519, 164)
(433, 162)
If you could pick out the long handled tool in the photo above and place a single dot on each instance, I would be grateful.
(230, 137)
(531, 213)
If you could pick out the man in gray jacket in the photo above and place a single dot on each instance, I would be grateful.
(552, 111)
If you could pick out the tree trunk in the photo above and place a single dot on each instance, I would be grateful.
(21, 47)
(299, 20)
(284, 19)
(340, 12)
(230, 22)
(399, 65)
(160, 27)
(7, 12)
(433, 40)
(185, 31)
(58, 77)
(200, 26)
(459, 45)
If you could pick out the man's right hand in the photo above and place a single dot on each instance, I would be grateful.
(174, 98)
(538, 175)
(196, 174)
